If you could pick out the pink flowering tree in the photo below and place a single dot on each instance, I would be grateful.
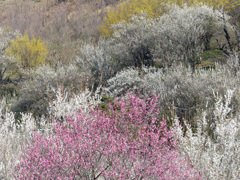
(127, 141)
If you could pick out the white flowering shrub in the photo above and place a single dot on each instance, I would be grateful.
(12, 135)
(133, 43)
(64, 104)
(180, 35)
(14, 132)
(35, 94)
(95, 60)
(181, 92)
(233, 62)
(219, 157)
(183, 33)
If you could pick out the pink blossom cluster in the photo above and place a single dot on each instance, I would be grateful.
(126, 141)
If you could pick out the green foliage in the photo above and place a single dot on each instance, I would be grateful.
(31, 53)
(105, 101)
(212, 53)
(57, 46)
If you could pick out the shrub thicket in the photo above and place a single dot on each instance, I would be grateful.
(10, 71)
(181, 93)
(18, 129)
(181, 35)
(36, 93)
(125, 143)
(155, 8)
(126, 137)
(219, 157)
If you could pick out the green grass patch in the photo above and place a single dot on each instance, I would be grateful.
(211, 54)
(209, 58)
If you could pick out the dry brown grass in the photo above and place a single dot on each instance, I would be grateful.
(58, 24)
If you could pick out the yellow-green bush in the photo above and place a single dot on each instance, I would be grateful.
(153, 9)
(31, 53)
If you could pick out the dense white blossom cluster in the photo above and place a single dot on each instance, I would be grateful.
(13, 132)
(220, 156)
(36, 93)
(177, 85)
(63, 105)
(180, 35)
(12, 135)
(202, 105)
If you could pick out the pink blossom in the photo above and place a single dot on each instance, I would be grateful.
(128, 141)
